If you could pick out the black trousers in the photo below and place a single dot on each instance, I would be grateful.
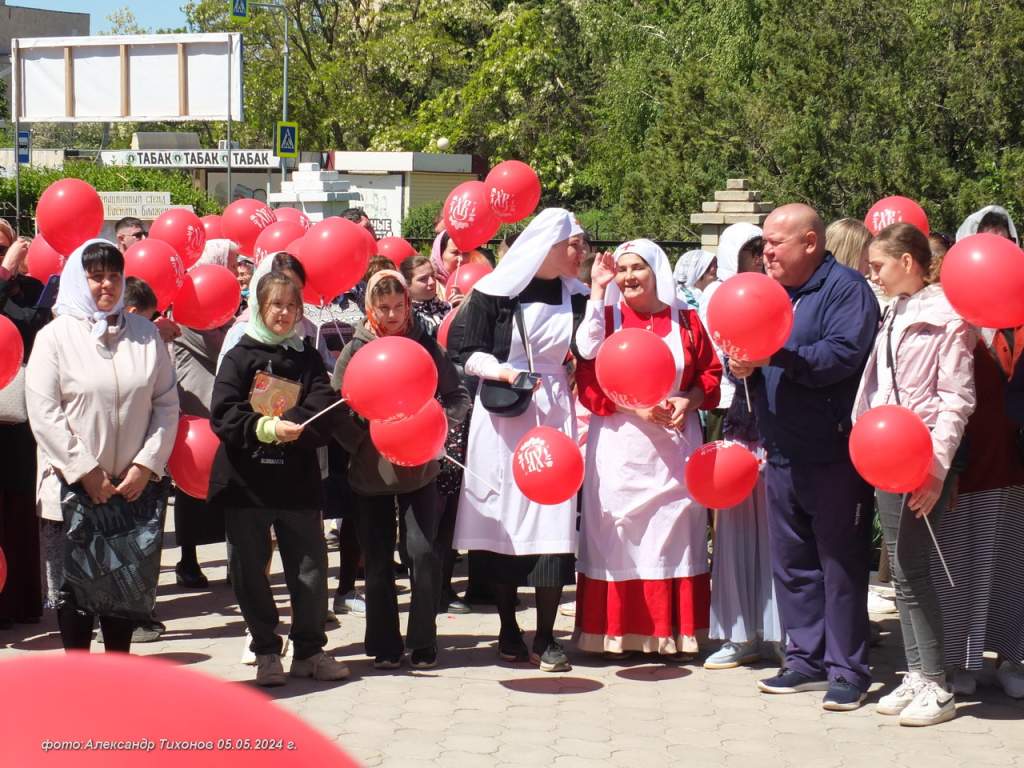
(300, 540)
(76, 629)
(376, 525)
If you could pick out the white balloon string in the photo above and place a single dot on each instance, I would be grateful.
(316, 416)
(935, 541)
(746, 388)
(464, 468)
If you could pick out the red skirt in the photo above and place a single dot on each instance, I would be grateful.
(657, 616)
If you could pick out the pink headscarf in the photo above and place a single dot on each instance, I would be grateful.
(437, 257)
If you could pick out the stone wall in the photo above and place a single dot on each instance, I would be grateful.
(735, 204)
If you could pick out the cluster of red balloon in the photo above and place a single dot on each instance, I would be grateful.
(475, 209)
(391, 382)
(721, 474)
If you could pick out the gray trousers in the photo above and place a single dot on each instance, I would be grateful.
(300, 541)
(909, 548)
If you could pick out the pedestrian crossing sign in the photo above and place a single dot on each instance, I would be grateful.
(240, 9)
(287, 144)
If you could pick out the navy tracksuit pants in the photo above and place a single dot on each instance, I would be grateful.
(820, 519)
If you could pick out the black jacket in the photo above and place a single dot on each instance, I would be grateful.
(248, 473)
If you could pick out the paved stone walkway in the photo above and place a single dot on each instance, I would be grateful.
(474, 711)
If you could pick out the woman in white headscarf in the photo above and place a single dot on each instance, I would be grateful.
(643, 562)
(991, 218)
(695, 270)
(103, 407)
(522, 542)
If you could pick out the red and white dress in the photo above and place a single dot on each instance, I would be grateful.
(643, 581)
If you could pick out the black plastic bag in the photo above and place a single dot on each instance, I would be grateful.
(112, 551)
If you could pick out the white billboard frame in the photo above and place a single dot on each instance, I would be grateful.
(117, 78)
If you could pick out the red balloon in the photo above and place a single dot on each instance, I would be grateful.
(12, 350)
(468, 217)
(513, 190)
(390, 378)
(721, 474)
(68, 213)
(277, 237)
(243, 221)
(398, 249)
(3, 569)
(414, 441)
(188, 707)
(465, 277)
(192, 456)
(294, 215)
(43, 260)
(890, 210)
(335, 253)
(891, 448)
(213, 226)
(628, 351)
(445, 327)
(183, 231)
(983, 278)
(208, 299)
(750, 316)
(547, 466)
(159, 265)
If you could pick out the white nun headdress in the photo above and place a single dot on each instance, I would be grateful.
(691, 267)
(519, 266)
(730, 243)
(970, 225)
(656, 259)
(74, 297)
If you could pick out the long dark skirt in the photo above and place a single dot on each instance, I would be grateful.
(195, 521)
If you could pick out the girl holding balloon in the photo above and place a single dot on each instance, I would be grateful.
(923, 360)
(643, 566)
(382, 482)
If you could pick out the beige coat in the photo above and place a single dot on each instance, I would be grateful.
(110, 402)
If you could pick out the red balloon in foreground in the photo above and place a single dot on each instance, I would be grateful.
(192, 456)
(414, 441)
(465, 277)
(294, 215)
(513, 190)
(627, 352)
(68, 213)
(891, 448)
(445, 327)
(229, 725)
(335, 253)
(12, 350)
(547, 466)
(208, 299)
(213, 226)
(983, 278)
(183, 231)
(3, 569)
(390, 378)
(468, 217)
(721, 474)
(159, 265)
(243, 221)
(890, 210)
(750, 316)
(43, 260)
(277, 237)
(398, 249)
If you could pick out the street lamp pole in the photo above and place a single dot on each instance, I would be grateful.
(284, 91)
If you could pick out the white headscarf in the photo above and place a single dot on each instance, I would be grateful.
(691, 267)
(216, 251)
(74, 297)
(519, 266)
(970, 225)
(730, 243)
(657, 261)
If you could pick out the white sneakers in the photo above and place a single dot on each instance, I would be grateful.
(919, 702)
(880, 604)
(249, 658)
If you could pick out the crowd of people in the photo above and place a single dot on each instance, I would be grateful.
(90, 422)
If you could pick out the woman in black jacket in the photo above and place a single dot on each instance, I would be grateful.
(266, 473)
(379, 485)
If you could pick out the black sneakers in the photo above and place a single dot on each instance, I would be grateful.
(552, 659)
(791, 681)
(423, 658)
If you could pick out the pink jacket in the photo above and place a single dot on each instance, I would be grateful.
(933, 348)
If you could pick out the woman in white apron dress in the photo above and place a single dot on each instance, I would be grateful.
(643, 564)
(522, 542)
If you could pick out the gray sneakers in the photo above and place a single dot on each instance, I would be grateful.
(269, 672)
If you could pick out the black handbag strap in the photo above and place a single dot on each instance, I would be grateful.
(520, 322)
(890, 358)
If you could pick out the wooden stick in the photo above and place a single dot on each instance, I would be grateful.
(316, 416)
(464, 468)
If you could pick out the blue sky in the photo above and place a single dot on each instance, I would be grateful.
(154, 14)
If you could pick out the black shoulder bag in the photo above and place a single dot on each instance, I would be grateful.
(501, 398)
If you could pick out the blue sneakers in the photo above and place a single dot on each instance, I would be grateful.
(791, 681)
(843, 696)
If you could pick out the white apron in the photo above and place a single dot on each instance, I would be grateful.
(507, 522)
(639, 521)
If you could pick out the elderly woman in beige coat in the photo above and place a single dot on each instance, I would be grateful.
(103, 407)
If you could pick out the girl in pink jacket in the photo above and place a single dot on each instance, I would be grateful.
(922, 360)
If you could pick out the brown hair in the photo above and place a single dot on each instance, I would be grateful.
(386, 286)
(410, 265)
(900, 238)
(377, 263)
(847, 239)
(272, 281)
